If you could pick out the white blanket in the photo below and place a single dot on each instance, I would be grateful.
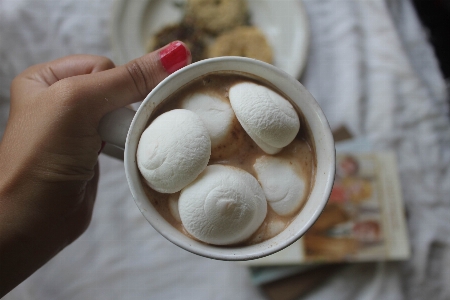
(370, 68)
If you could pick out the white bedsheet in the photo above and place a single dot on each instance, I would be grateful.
(370, 68)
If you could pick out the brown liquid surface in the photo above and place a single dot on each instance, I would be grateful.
(239, 150)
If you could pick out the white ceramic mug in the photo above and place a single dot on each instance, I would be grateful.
(116, 129)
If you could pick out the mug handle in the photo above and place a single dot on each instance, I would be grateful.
(113, 130)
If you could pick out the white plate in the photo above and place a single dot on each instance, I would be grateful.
(284, 22)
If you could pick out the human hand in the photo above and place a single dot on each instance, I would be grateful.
(49, 151)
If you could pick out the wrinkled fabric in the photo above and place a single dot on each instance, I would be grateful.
(371, 69)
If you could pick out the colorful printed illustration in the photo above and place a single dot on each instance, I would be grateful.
(350, 226)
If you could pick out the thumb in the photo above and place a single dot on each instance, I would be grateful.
(105, 91)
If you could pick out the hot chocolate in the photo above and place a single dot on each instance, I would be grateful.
(285, 176)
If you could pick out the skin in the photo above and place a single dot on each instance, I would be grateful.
(49, 153)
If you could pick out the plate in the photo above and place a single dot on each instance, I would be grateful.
(284, 23)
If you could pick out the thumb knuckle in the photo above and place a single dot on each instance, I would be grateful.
(143, 76)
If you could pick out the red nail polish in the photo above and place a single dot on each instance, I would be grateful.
(174, 56)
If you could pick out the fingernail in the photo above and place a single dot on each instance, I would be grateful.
(174, 56)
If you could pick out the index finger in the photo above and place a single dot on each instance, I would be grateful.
(39, 77)
(108, 90)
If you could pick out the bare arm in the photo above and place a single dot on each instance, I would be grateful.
(48, 154)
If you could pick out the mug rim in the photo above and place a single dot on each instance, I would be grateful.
(233, 253)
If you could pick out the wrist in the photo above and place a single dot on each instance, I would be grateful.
(36, 223)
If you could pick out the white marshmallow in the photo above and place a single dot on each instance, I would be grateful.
(214, 112)
(223, 206)
(284, 188)
(275, 227)
(268, 118)
(173, 150)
